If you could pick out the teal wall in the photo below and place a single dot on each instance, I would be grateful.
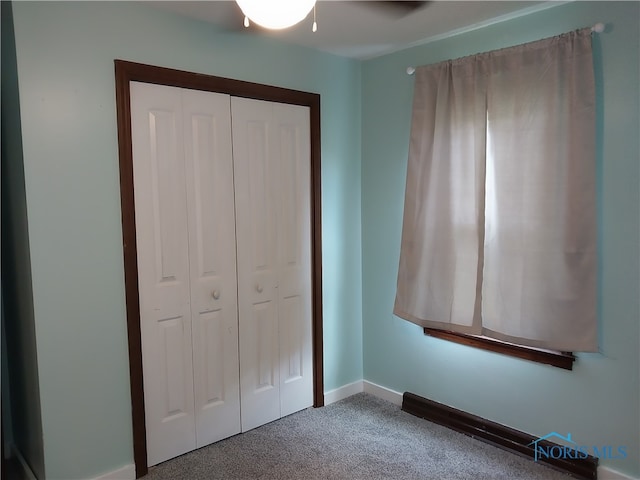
(65, 54)
(20, 387)
(598, 401)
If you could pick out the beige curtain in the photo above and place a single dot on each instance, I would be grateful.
(499, 232)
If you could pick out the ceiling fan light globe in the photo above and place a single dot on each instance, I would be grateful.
(276, 14)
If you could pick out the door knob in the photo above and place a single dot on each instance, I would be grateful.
(259, 288)
(216, 294)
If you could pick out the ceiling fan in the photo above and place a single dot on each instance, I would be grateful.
(259, 10)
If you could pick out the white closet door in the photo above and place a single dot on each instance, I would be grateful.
(294, 257)
(163, 269)
(212, 366)
(271, 155)
(212, 246)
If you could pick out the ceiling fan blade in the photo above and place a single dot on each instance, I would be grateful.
(395, 8)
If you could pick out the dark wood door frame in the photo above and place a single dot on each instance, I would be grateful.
(126, 72)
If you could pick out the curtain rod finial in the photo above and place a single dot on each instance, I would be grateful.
(411, 70)
(598, 27)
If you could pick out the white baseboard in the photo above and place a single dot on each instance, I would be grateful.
(606, 473)
(379, 391)
(128, 472)
(383, 392)
(26, 469)
(342, 392)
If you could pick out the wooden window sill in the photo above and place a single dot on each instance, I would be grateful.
(557, 359)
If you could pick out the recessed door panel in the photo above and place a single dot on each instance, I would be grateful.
(290, 199)
(259, 198)
(211, 326)
(291, 338)
(266, 348)
(173, 355)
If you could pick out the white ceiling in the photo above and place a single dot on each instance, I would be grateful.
(353, 29)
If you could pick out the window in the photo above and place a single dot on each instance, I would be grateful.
(499, 230)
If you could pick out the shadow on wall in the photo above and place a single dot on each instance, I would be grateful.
(19, 363)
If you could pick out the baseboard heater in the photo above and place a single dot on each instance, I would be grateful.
(498, 435)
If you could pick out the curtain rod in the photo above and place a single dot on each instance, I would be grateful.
(598, 28)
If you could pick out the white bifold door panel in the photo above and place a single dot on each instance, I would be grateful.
(272, 190)
(163, 270)
(226, 344)
(212, 243)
